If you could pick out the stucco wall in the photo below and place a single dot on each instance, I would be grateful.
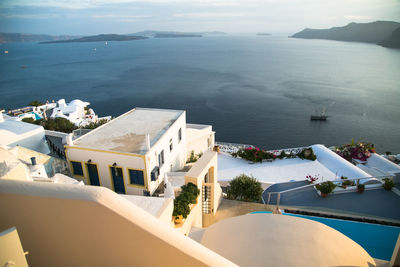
(175, 159)
(104, 161)
(197, 140)
(67, 225)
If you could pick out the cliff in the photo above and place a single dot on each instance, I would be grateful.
(373, 32)
(393, 41)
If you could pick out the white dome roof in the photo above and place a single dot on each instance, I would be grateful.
(280, 240)
(79, 103)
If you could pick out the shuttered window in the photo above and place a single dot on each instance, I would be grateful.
(77, 168)
(136, 177)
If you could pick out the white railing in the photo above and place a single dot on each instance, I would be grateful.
(338, 181)
(231, 147)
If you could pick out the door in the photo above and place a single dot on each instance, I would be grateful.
(93, 174)
(118, 180)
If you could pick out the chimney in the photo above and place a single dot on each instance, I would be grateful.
(69, 140)
(33, 160)
(148, 142)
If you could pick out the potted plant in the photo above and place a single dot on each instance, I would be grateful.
(325, 188)
(360, 188)
(311, 179)
(388, 184)
(188, 196)
(346, 183)
(181, 210)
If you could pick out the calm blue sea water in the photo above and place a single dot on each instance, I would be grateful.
(378, 240)
(257, 90)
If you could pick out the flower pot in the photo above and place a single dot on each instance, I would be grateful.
(324, 194)
(178, 219)
(387, 187)
(360, 190)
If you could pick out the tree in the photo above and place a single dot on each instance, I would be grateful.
(35, 103)
(28, 120)
(245, 188)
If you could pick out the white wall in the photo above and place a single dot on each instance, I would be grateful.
(197, 139)
(337, 164)
(176, 157)
(104, 160)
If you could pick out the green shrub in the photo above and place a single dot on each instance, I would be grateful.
(388, 184)
(245, 188)
(188, 195)
(191, 189)
(28, 120)
(360, 188)
(326, 187)
(35, 103)
(181, 208)
(307, 153)
(94, 125)
(192, 157)
(258, 155)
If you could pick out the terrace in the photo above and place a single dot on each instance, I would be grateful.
(328, 166)
(377, 204)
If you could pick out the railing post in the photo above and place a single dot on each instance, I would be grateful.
(278, 200)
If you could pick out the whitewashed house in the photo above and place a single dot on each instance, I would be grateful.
(132, 153)
(17, 133)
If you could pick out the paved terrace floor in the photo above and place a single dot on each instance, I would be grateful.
(372, 203)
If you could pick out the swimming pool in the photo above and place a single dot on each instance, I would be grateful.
(378, 240)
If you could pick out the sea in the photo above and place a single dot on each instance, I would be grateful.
(258, 90)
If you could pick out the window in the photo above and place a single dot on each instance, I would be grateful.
(161, 158)
(180, 135)
(77, 168)
(136, 177)
(155, 173)
(206, 178)
(171, 146)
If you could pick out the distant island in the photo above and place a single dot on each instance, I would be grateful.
(99, 38)
(27, 37)
(175, 35)
(372, 32)
(393, 41)
(50, 39)
(263, 34)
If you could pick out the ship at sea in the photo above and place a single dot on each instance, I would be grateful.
(319, 116)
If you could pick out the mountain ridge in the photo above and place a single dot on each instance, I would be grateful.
(371, 32)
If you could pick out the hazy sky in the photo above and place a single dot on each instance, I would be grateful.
(233, 16)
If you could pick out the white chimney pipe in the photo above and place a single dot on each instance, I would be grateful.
(69, 140)
(148, 142)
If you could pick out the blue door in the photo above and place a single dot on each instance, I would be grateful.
(93, 174)
(118, 180)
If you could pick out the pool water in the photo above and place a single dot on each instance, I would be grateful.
(378, 240)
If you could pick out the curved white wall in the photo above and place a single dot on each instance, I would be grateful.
(337, 164)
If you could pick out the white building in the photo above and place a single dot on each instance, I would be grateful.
(13, 133)
(132, 153)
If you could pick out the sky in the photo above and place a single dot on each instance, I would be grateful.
(86, 17)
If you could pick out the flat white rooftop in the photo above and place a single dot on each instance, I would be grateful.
(278, 171)
(127, 133)
(328, 166)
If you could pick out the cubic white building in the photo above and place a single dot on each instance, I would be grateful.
(17, 133)
(132, 153)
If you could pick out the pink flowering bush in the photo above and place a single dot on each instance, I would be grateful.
(312, 179)
(256, 154)
(360, 150)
